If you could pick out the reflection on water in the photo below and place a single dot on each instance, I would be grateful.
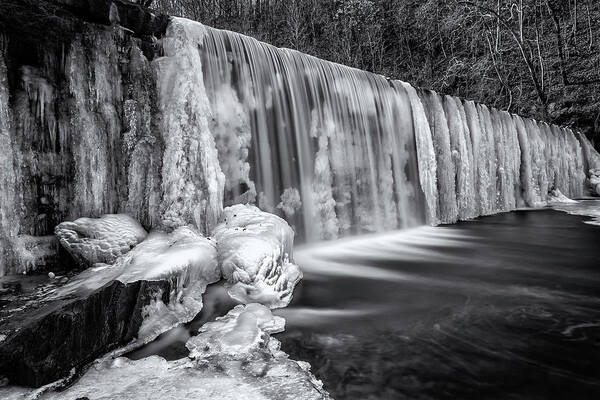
(506, 306)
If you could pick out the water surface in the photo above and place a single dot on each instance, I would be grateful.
(506, 306)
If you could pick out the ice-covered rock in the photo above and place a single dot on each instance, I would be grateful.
(595, 181)
(100, 240)
(154, 287)
(238, 334)
(255, 251)
(555, 196)
(246, 364)
(184, 258)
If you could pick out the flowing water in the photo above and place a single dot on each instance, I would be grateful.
(218, 118)
(504, 306)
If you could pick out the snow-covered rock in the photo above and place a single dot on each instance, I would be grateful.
(255, 251)
(100, 240)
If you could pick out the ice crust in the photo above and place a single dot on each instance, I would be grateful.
(184, 257)
(243, 363)
(595, 181)
(100, 240)
(255, 250)
(238, 334)
(556, 197)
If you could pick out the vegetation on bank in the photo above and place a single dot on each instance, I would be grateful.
(538, 58)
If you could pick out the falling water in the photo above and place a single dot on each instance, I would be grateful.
(341, 151)
(330, 146)
(217, 118)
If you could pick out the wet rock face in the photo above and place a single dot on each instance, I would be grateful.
(44, 338)
(131, 15)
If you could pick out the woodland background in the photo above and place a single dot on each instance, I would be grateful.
(537, 58)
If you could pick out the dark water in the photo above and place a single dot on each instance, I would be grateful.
(503, 307)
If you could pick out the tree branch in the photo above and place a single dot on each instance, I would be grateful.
(561, 54)
(515, 35)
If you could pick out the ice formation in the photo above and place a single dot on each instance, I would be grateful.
(243, 362)
(10, 197)
(35, 252)
(290, 202)
(216, 118)
(556, 197)
(188, 260)
(100, 240)
(184, 257)
(585, 208)
(255, 250)
(595, 181)
(192, 180)
(238, 334)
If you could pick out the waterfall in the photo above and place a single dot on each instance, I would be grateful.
(340, 139)
(215, 118)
